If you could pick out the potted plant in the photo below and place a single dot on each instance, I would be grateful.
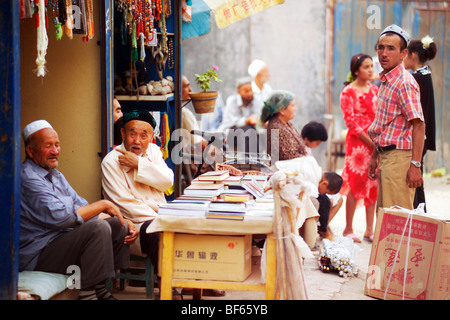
(204, 101)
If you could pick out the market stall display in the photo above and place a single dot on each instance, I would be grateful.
(61, 14)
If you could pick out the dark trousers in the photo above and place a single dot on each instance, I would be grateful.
(96, 247)
(150, 244)
(324, 211)
(419, 196)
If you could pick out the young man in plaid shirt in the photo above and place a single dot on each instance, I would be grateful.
(398, 129)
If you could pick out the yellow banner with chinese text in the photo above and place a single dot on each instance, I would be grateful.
(230, 11)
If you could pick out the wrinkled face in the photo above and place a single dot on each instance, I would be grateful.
(365, 71)
(117, 110)
(44, 148)
(136, 136)
(246, 92)
(288, 113)
(389, 53)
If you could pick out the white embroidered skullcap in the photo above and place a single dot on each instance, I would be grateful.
(255, 67)
(242, 81)
(33, 127)
(397, 30)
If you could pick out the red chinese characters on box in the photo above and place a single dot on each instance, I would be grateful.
(410, 257)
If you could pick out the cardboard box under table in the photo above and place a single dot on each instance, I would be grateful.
(211, 257)
(410, 257)
(201, 253)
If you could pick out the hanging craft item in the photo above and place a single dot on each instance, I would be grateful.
(158, 9)
(170, 54)
(89, 21)
(69, 20)
(134, 51)
(28, 9)
(57, 24)
(150, 31)
(167, 8)
(161, 53)
(139, 17)
(62, 18)
(163, 28)
(165, 136)
(42, 39)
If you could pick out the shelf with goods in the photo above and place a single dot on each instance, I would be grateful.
(147, 59)
(144, 55)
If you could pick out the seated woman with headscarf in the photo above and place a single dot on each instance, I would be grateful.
(284, 142)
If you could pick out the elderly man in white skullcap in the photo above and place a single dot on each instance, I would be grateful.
(259, 72)
(58, 228)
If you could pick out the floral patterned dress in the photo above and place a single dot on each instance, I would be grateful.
(359, 112)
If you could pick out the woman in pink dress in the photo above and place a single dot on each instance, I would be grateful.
(358, 104)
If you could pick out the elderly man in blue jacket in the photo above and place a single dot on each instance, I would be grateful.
(59, 229)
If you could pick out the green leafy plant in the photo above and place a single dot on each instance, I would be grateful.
(204, 80)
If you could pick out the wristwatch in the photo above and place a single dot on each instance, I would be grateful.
(416, 163)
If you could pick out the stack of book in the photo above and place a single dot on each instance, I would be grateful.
(212, 176)
(197, 197)
(262, 208)
(226, 210)
(207, 189)
(217, 195)
(229, 196)
(217, 177)
(184, 207)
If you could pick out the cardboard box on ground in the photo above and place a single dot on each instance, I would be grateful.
(410, 257)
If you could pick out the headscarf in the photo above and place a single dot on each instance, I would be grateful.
(277, 100)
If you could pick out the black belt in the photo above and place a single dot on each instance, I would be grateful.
(386, 148)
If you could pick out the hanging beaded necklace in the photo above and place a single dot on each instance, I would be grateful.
(147, 19)
(170, 64)
(55, 12)
(163, 28)
(159, 9)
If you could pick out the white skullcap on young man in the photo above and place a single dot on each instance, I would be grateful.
(34, 127)
(255, 67)
(397, 30)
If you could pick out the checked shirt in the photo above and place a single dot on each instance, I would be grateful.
(398, 103)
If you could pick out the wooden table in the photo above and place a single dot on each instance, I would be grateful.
(216, 227)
